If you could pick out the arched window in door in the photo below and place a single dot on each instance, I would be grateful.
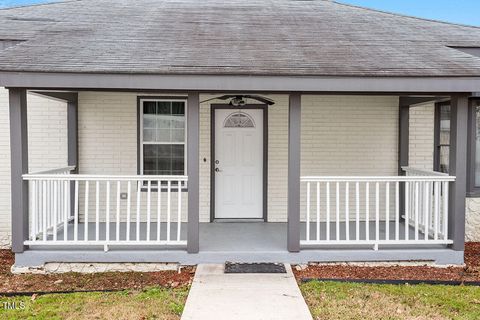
(239, 120)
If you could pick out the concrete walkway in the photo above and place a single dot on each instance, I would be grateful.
(216, 295)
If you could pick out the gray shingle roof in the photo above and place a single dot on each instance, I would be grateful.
(263, 37)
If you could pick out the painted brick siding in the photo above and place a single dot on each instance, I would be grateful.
(107, 126)
(421, 136)
(47, 135)
(348, 136)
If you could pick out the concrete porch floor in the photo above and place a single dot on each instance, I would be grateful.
(235, 236)
(239, 242)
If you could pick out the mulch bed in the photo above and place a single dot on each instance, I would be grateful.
(469, 273)
(87, 282)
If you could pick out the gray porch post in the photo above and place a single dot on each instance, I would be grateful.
(193, 133)
(19, 166)
(294, 149)
(72, 131)
(403, 149)
(458, 168)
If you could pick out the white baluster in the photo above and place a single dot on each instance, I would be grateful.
(417, 195)
(328, 211)
(427, 209)
(179, 212)
(445, 210)
(168, 209)
(66, 208)
(75, 222)
(139, 191)
(367, 211)
(357, 211)
(117, 220)
(407, 210)
(97, 210)
(129, 204)
(307, 224)
(377, 211)
(436, 212)
(87, 191)
(159, 208)
(33, 227)
(149, 202)
(107, 213)
(55, 209)
(347, 212)
(318, 211)
(387, 211)
(337, 216)
(397, 211)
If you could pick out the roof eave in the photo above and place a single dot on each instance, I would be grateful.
(213, 83)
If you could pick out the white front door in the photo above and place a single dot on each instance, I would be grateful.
(238, 163)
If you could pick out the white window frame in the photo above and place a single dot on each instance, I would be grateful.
(142, 143)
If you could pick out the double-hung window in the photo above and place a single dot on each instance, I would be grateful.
(162, 144)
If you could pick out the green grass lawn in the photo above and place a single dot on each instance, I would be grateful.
(153, 303)
(335, 300)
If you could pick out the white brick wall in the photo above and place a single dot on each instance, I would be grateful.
(47, 135)
(348, 136)
(421, 136)
(107, 126)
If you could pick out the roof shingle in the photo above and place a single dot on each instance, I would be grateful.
(268, 37)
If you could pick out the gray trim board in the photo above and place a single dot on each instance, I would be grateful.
(214, 107)
(294, 160)
(44, 80)
(403, 148)
(72, 130)
(37, 258)
(458, 168)
(19, 166)
(193, 142)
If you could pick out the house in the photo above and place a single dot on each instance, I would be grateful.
(209, 131)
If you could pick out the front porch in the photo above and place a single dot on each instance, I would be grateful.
(72, 215)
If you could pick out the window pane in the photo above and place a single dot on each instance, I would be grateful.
(444, 138)
(164, 121)
(444, 158)
(149, 107)
(164, 159)
(178, 108)
(164, 107)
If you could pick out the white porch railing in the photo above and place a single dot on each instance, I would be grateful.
(366, 210)
(71, 209)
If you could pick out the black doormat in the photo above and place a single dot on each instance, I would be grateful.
(231, 267)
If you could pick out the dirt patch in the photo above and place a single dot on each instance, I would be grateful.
(85, 282)
(471, 272)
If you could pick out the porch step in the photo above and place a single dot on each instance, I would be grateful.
(218, 295)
